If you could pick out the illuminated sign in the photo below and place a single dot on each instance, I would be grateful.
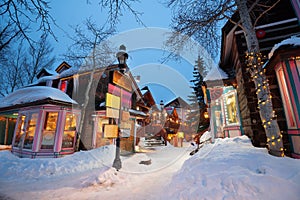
(112, 101)
(125, 125)
(110, 131)
(112, 113)
(125, 133)
(122, 80)
(115, 90)
(126, 99)
(180, 134)
(125, 116)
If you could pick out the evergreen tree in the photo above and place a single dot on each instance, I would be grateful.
(196, 118)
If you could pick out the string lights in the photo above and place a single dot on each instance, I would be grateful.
(255, 68)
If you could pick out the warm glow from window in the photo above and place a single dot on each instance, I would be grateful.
(30, 130)
(231, 109)
(48, 134)
(69, 131)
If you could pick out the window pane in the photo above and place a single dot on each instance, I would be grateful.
(30, 131)
(20, 131)
(286, 98)
(231, 109)
(69, 131)
(48, 134)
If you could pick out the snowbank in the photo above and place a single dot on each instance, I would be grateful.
(295, 41)
(13, 167)
(234, 169)
(230, 168)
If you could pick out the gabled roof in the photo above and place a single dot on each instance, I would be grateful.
(171, 111)
(46, 72)
(177, 102)
(62, 67)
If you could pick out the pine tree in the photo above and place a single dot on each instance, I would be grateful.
(196, 118)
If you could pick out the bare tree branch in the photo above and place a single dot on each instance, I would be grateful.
(22, 16)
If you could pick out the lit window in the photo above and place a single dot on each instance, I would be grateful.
(48, 134)
(20, 134)
(30, 130)
(69, 131)
(63, 86)
(231, 109)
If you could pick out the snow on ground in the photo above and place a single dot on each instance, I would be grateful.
(228, 169)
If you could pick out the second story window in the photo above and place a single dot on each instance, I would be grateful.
(63, 86)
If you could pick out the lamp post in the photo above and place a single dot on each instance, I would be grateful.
(122, 57)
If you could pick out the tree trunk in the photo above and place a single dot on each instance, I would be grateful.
(86, 97)
(254, 64)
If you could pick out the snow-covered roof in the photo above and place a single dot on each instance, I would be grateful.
(294, 40)
(137, 112)
(35, 93)
(215, 74)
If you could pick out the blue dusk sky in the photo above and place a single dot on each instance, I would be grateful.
(166, 80)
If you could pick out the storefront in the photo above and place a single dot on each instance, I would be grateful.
(224, 111)
(45, 131)
(286, 63)
(47, 122)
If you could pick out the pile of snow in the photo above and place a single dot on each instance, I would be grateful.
(35, 93)
(215, 73)
(205, 137)
(229, 168)
(13, 167)
(295, 41)
(234, 169)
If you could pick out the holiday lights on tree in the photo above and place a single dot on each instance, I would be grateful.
(268, 117)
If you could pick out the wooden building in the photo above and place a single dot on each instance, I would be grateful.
(222, 101)
(284, 63)
(111, 110)
(279, 23)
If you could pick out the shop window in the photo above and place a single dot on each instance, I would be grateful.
(69, 131)
(30, 130)
(49, 129)
(20, 132)
(286, 98)
(231, 109)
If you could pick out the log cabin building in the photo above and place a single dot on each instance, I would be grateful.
(280, 23)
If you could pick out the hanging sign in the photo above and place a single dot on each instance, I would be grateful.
(125, 133)
(115, 90)
(112, 113)
(125, 115)
(112, 101)
(111, 131)
(122, 80)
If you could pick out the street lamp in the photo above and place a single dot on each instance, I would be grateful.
(161, 111)
(122, 57)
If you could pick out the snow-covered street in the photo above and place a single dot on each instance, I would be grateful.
(228, 169)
